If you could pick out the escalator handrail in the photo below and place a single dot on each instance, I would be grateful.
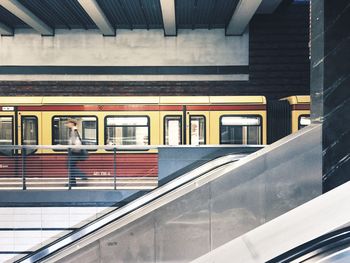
(316, 246)
(91, 227)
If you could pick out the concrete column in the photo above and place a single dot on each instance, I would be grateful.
(330, 86)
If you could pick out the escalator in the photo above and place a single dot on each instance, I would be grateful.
(201, 210)
(136, 203)
(317, 231)
(331, 247)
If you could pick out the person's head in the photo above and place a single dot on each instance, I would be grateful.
(71, 123)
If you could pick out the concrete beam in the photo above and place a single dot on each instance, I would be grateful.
(268, 6)
(169, 19)
(5, 30)
(27, 16)
(96, 14)
(241, 17)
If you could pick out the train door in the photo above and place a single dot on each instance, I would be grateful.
(184, 127)
(28, 130)
(197, 127)
(172, 128)
(8, 160)
(29, 134)
(7, 129)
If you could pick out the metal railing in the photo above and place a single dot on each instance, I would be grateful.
(127, 167)
(70, 167)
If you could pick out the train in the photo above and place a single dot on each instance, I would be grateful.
(142, 121)
(286, 116)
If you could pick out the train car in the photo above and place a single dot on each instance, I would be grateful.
(300, 112)
(196, 120)
(287, 116)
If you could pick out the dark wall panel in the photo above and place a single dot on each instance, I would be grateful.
(278, 120)
(279, 52)
(330, 87)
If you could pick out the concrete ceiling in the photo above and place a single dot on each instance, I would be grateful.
(108, 16)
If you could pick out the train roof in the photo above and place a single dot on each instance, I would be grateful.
(69, 100)
(298, 100)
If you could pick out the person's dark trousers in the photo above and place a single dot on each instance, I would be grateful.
(74, 170)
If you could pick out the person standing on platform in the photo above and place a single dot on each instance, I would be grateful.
(76, 155)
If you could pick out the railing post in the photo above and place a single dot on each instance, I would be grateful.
(15, 158)
(69, 169)
(115, 167)
(24, 187)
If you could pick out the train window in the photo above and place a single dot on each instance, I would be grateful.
(304, 120)
(29, 134)
(173, 130)
(197, 132)
(6, 134)
(6, 131)
(87, 128)
(240, 130)
(29, 130)
(127, 130)
(89, 132)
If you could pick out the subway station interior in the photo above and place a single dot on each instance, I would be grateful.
(175, 131)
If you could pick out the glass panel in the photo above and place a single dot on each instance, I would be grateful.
(239, 120)
(89, 133)
(29, 130)
(197, 132)
(127, 131)
(127, 121)
(6, 131)
(231, 135)
(86, 127)
(304, 121)
(127, 135)
(240, 130)
(173, 130)
(253, 136)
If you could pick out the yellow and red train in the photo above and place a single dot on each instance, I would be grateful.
(300, 112)
(148, 120)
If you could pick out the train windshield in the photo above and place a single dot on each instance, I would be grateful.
(240, 130)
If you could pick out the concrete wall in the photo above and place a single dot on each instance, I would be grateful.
(278, 66)
(191, 48)
(129, 48)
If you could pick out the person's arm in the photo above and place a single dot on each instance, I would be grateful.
(77, 135)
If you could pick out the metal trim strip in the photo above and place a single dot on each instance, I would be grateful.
(124, 70)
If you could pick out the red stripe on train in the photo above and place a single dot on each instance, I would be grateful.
(100, 108)
(301, 107)
(225, 107)
(55, 165)
(140, 107)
